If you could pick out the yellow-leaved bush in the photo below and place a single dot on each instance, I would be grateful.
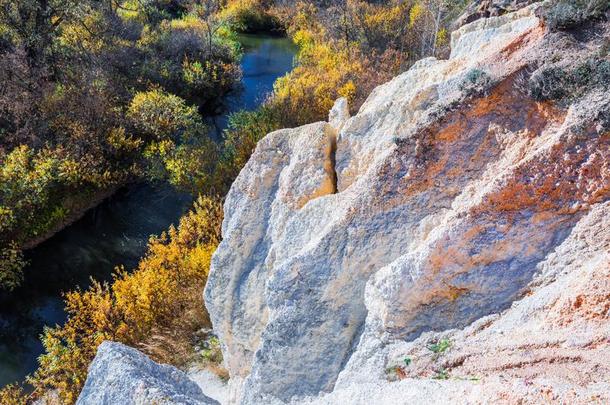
(249, 16)
(156, 308)
(324, 72)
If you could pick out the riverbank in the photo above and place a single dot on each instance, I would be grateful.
(75, 209)
(257, 81)
(84, 111)
(116, 231)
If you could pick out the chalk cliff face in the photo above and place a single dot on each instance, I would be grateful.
(456, 191)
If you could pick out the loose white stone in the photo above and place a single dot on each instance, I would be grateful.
(120, 375)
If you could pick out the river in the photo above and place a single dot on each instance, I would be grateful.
(115, 232)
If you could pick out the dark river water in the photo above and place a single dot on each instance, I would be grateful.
(115, 232)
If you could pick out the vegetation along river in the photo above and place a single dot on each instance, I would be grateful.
(115, 232)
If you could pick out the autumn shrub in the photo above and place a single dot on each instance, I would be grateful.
(31, 184)
(13, 394)
(158, 115)
(161, 296)
(250, 16)
(322, 74)
(177, 147)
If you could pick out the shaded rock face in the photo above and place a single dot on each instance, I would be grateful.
(122, 375)
(437, 204)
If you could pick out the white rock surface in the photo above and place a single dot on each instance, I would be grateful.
(120, 375)
(435, 206)
(551, 346)
(490, 32)
(211, 385)
(339, 114)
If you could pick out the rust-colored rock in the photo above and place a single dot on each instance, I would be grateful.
(467, 197)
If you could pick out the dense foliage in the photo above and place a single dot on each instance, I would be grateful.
(95, 95)
(251, 16)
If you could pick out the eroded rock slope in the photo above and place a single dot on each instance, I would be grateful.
(460, 188)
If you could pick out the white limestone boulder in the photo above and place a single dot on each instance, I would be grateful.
(121, 375)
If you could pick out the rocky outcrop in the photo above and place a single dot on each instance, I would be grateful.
(455, 192)
(489, 8)
(122, 375)
(549, 347)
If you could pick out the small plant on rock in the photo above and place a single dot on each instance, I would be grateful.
(566, 14)
(211, 351)
(440, 347)
(476, 81)
(442, 374)
(399, 371)
(396, 373)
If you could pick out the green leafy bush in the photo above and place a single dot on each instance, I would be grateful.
(245, 129)
(440, 347)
